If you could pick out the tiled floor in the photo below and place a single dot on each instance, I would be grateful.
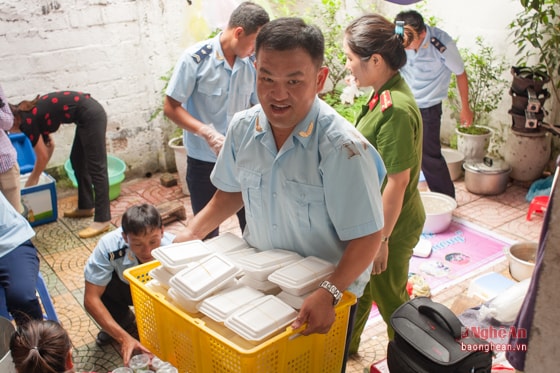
(63, 255)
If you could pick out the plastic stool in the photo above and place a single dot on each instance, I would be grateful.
(44, 297)
(538, 204)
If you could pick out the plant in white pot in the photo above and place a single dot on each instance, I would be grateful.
(180, 152)
(486, 89)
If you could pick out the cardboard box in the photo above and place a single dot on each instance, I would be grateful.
(40, 200)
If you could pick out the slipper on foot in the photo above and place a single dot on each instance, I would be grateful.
(77, 213)
(92, 232)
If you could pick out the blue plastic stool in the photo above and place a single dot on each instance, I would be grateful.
(44, 297)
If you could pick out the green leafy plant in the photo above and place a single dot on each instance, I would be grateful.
(326, 16)
(473, 130)
(165, 78)
(348, 111)
(486, 82)
(536, 32)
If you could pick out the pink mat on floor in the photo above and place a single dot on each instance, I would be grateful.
(460, 253)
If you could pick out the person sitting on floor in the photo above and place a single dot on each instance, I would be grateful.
(41, 346)
(19, 264)
(107, 294)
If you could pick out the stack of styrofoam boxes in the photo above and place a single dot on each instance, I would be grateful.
(202, 277)
(299, 279)
(40, 200)
(257, 267)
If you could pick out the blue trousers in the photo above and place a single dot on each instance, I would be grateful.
(202, 189)
(434, 166)
(18, 276)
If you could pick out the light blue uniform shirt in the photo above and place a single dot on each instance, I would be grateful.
(211, 91)
(100, 267)
(14, 228)
(319, 191)
(428, 71)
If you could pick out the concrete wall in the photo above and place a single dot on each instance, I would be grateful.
(115, 50)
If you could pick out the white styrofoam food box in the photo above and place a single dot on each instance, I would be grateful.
(177, 256)
(263, 263)
(161, 274)
(182, 302)
(265, 286)
(225, 243)
(295, 301)
(261, 318)
(489, 285)
(222, 304)
(209, 275)
(303, 276)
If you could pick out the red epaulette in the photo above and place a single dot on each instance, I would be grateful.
(386, 101)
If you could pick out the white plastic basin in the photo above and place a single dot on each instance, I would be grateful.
(439, 211)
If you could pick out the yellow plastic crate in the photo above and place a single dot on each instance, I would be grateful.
(197, 344)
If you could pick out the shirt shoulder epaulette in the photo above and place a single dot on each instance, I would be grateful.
(117, 254)
(386, 100)
(202, 53)
(438, 44)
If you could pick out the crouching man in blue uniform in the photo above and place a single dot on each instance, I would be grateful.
(107, 293)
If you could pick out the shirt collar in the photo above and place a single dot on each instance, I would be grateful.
(302, 132)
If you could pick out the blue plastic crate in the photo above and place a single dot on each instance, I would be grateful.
(25, 153)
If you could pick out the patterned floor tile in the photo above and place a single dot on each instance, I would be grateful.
(63, 255)
(488, 213)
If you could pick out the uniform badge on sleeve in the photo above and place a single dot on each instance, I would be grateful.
(202, 53)
(117, 254)
(438, 44)
(386, 100)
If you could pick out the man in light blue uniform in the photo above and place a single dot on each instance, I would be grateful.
(19, 264)
(107, 294)
(212, 81)
(309, 181)
(431, 59)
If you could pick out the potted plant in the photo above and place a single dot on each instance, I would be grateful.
(180, 152)
(486, 88)
(536, 35)
(473, 142)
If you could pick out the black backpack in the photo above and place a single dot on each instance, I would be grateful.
(429, 338)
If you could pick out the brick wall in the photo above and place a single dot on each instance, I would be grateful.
(117, 50)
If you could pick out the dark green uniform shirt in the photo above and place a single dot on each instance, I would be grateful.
(394, 127)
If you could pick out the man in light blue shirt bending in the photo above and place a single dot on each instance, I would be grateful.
(431, 59)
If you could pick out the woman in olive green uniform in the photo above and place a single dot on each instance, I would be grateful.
(391, 121)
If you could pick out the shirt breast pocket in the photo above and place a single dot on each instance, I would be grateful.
(251, 182)
(428, 67)
(244, 97)
(212, 98)
(307, 201)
